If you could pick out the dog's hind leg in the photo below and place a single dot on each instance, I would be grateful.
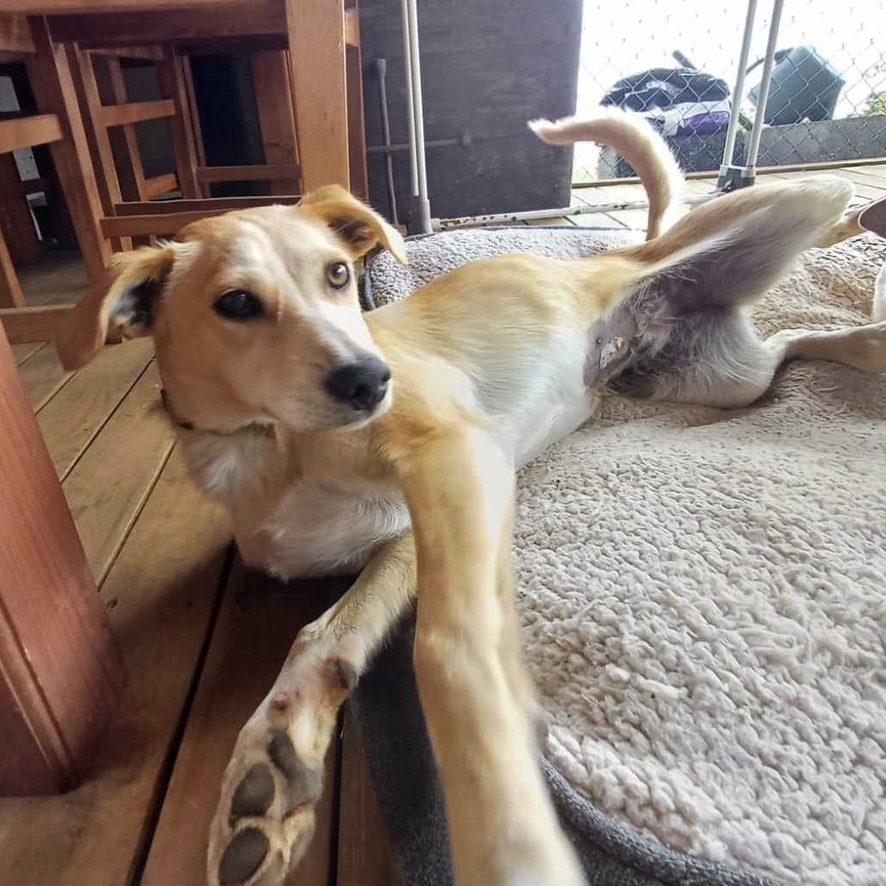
(863, 347)
(266, 813)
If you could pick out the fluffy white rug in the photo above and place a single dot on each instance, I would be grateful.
(703, 593)
(704, 601)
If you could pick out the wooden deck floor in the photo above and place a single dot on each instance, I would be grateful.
(201, 637)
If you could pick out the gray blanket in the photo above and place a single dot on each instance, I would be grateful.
(702, 602)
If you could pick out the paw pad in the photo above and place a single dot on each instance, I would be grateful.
(243, 857)
(255, 793)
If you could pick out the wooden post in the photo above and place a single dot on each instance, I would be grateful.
(316, 37)
(59, 669)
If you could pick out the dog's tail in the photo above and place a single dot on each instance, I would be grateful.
(634, 138)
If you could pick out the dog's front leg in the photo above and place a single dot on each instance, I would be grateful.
(502, 824)
(265, 817)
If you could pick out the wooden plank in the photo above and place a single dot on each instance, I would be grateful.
(356, 124)
(142, 53)
(22, 353)
(861, 163)
(365, 856)
(184, 150)
(160, 595)
(273, 97)
(134, 112)
(15, 35)
(128, 456)
(206, 204)
(257, 624)
(58, 662)
(59, 7)
(58, 280)
(194, 114)
(140, 225)
(253, 19)
(628, 218)
(53, 86)
(43, 377)
(98, 137)
(32, 324)
(11, 295)
(352, 27)
(160, 184)
(874, 174)
(861, 189)
(123, 139)
(319, 89)
(26, 132)
(865, 185)
(72, 419)
(255, 172)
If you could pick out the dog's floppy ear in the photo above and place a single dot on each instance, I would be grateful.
(123, 304)
(358, 225)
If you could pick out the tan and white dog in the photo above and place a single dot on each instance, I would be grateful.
(341, 441)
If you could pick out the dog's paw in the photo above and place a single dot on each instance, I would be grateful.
(267, 812)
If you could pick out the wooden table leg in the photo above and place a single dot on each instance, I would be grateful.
(316, 34)
(59, 669)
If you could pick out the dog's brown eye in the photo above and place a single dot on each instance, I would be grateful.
(338, 275)
(238, 304)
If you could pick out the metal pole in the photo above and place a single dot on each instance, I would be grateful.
(410, 115)
(727, 170)
(381, 66)
(750, 172)
(422, 205)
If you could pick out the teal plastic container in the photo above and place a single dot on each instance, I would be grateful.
(804, 87)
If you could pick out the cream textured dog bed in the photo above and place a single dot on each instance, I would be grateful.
(703, 595)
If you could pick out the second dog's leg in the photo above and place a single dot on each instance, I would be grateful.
(265, 817)
(863, 347)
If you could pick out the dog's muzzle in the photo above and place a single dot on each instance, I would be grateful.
(362, 384)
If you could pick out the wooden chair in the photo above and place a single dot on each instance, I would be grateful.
(54, 125)
(315, 43)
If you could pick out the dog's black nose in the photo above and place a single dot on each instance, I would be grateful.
(363, 384)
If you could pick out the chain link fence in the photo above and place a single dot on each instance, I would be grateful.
(676, 61)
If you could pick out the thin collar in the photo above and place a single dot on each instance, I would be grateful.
(254, 427)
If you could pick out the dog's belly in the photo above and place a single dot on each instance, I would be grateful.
(538, 395)
(322, 531)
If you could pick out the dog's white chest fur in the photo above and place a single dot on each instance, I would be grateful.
(320, 530)
(532, 399)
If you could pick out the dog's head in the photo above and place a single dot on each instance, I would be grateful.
(254, 315)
